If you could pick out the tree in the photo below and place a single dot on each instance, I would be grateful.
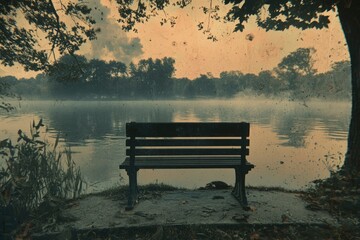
(204, 85)
(20, 44)
(68, 76)
(118, 69)
(229, 83)
(99, 76)
(153, 77)
(296, 65)
(5, 85)
(296, 72)
(266, 83)
(335, 83)
(340, 76)
(69, 68)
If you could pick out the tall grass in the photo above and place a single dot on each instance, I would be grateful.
(34, 171)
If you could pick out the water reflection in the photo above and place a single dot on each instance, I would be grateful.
(288, 139)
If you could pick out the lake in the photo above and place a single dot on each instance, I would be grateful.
(291, 143)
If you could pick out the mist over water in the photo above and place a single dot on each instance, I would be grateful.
(291, 143)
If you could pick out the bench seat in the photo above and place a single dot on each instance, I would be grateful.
(185, 162)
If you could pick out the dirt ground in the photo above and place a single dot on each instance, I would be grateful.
(188, 214)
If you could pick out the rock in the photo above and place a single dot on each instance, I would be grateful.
(217, 185)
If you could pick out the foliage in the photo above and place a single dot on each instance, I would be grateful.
(152, 76)
(294, 68)
(26, 26)
(33, 171)
(294, 76)
(270, 14)
(68, 69)
(298, 62)
(5, 92)
(281, 14)
(339, 195)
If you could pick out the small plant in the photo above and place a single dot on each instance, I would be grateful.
(333, 162)
(33, 172)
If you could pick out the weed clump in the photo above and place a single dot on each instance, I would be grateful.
(33, 173)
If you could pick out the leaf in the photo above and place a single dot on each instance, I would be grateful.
(40, 124)
(4, 143)
(40, 142)
(3, 153)
(57, 141)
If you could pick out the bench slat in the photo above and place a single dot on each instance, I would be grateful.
(187, 142)
(182, 163)
(186, 151)
(187, 129)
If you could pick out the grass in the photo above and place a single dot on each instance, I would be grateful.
(34, 175)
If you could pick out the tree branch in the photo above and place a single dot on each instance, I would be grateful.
(57, 27)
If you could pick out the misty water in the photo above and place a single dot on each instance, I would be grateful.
(291, 143)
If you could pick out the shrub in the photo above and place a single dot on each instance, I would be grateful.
(34, 171)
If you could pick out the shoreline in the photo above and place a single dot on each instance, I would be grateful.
(199, 213)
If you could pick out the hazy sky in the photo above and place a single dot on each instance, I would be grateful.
(195, 54)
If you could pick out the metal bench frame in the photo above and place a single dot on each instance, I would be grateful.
(185, 146)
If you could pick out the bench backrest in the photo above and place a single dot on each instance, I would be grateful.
(185, 139)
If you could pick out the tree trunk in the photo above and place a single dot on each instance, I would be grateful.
(350, 22)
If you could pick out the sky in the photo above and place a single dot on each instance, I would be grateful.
(194, 53)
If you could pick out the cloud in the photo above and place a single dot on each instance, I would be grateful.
(112, 42)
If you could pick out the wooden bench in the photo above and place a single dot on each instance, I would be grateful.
(187, 145)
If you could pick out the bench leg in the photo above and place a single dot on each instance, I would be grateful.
(133, 189)
(239, 189)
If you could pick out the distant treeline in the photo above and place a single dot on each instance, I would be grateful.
(75, 77)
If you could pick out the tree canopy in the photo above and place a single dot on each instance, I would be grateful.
(33, 33)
